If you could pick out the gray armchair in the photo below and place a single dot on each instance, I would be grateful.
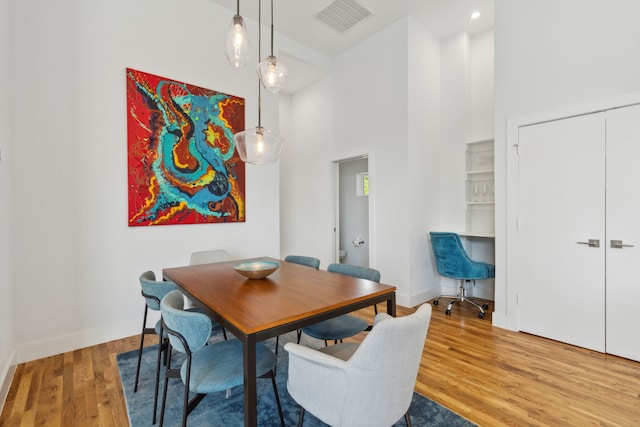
(370, 384)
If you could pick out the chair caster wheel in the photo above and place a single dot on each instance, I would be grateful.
(481, 315)
(447, 312)
(435, 302)
(485, 306)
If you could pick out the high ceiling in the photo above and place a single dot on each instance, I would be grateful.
(295, 19)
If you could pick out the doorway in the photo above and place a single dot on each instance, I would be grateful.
(352, 239)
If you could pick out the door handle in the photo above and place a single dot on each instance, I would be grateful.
(593, 243)
(617, 244)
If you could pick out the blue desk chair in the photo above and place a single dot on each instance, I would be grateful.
(453, 262)
(343, 326)
(209, 367)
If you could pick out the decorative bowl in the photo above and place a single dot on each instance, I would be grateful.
(256, 269)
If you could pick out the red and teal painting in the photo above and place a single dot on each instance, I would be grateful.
(182, 163)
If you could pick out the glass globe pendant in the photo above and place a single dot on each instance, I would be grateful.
(272, 72)
(238, 49)
(258, 146)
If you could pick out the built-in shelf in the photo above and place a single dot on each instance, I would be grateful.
(480, 188)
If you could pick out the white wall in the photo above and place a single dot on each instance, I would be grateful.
(481, 86)
(76, 262)
(466, 111)
(412, 114)
(371, 118)
(7, 337)
(306, 191)
(424, 136)
(552, 55)
(365, 107)
(454, 129)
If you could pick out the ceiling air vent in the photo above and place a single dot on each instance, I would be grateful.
(342, 15)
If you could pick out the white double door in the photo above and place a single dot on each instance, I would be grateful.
(579, 230)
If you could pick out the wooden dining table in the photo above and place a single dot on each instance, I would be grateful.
(292, 297)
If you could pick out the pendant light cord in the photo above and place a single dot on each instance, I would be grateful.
(259, 56)
(238, 7)
(271, 27)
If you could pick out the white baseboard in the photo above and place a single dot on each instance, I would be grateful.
(499, 319)
(26, 352)
(6, 377)
(417, 299)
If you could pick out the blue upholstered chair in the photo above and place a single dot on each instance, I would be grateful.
(453, 262)
(209, 367)
(357, 271)
(303, 260)
(153, 291)
(343, 326)
(307, 261)
(370, 384)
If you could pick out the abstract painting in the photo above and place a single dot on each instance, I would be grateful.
(183, 167)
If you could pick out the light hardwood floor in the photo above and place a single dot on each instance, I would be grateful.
(488, 375)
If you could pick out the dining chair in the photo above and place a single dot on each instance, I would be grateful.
(368, 384)
(452, 261)
(206, 257)
(307, 261)
(303, 260)
(346, 325)
(357, 271)
(153, 291)
(208, 367)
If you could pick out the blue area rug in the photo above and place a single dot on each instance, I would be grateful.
(218, 410)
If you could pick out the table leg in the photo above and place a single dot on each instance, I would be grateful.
(250, 393)
(391, 305)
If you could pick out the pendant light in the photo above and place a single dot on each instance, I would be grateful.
(271, 71)
(238, 49)
(258, 146)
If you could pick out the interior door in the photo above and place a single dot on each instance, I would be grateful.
(623, 208)
(561, 207)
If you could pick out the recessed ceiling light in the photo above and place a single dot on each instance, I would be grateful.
(475, 15)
